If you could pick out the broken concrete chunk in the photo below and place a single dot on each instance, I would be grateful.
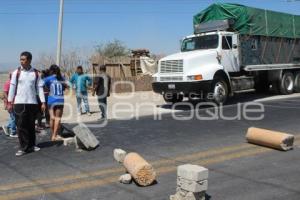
(192, 172)
(86, 137)
(191, 183)
(195, 196)
(69, 141)
(192, 186)
(268, 138)
(176, 197)
(119, 155)
(125, 179)
(142, 172)
(184, 195)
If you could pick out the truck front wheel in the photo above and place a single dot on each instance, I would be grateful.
(219, 91)
(286, 84)
(172, 97)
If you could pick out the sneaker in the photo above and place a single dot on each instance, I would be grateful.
(13, 135)
(20, 153)
(89, 114)
(5, 130)
(36, 148)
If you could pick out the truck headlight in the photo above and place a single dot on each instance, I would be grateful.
(197, 77)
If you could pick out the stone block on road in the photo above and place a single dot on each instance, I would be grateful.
(192, 172)
(86, 137)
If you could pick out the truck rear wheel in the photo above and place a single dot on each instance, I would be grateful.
(172, 97)
(286, 83)
(261, 83)
(297, 82)
(219, 91)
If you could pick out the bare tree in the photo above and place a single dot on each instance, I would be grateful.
(69, 61)
(114, 52)
(44, 61)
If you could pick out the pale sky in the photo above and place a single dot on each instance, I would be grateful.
(157, 25)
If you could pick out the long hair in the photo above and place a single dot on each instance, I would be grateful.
(55, 70)
(45, 73)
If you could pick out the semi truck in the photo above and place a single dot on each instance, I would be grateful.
(234, 49)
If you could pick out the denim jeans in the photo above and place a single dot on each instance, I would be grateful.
(82, 97)
(12, 123)
(103, 106)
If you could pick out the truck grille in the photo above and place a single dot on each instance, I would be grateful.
(171, 66)
(171, 78)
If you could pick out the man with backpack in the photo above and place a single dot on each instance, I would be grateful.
(25, 85)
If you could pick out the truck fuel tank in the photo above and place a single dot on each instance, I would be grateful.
(242, 83)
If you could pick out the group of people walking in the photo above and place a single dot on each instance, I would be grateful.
(29, 92)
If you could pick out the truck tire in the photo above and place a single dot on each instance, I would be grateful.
(219, 91)
(286, 83)
(297, 82)
(262, 84)
(173, 98)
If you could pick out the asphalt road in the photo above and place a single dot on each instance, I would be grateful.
(238, 170)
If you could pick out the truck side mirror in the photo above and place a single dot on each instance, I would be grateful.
(234, 46)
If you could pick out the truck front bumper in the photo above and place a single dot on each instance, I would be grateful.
(196, 87)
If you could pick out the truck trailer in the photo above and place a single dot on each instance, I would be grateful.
(234, 49)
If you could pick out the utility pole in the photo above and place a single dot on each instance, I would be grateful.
(59, 35)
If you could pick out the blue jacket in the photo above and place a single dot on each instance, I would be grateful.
(81, 82)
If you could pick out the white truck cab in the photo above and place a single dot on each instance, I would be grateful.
(192, 71)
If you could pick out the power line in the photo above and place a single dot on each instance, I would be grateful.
(95, 13)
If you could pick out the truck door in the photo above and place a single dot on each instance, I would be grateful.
(230, 53)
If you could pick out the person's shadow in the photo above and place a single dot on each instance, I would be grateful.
(207, 197)
(49, 144)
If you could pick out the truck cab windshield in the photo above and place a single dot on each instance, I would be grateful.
(200, 42)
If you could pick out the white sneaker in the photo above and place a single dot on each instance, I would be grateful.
(20, 153)
(5, 130)
(36, 149)
(13, 135)
(89, 114)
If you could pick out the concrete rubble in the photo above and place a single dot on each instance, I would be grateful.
(141, 171)
(85, 138)
(137, 168)
(125, 179)
(268, 138)
(119, 155)
(192, 183)
(69, 141)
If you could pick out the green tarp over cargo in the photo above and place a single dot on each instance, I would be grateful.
(252, 21)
